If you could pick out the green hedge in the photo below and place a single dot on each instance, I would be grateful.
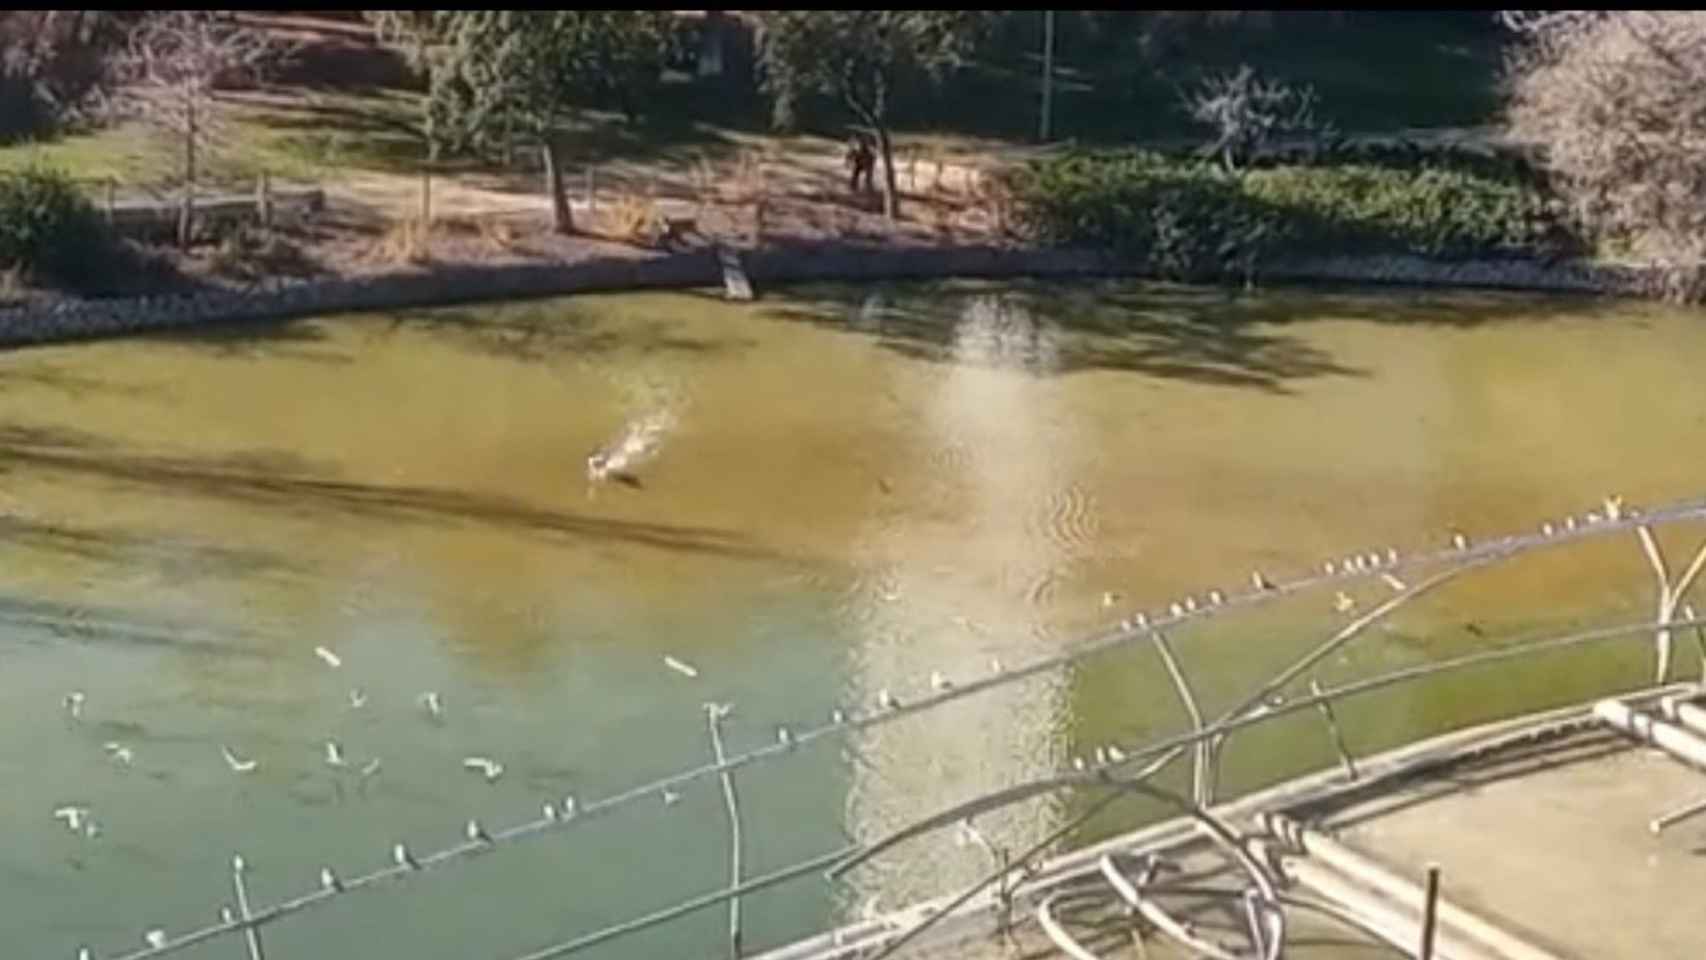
(48, 227)
(1190, 220)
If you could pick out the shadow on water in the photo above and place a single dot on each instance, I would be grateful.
(53, 378)
(1091, 331)
(1198, 334)
(523, 332)
(178, 559)
(543, 331)
(284, 482)
(114, 626)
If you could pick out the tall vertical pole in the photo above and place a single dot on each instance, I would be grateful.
(1048, 72)
(1429, 913)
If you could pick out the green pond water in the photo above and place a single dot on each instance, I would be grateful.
(850, 489)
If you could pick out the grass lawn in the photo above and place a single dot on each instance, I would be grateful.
(1375, 73)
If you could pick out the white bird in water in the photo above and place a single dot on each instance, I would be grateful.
(431, 703)
(681, 667)
(1329, 568)
(1108, 599)
(1374, 560)
(1142, 620)
(670, 797)
(1343, 602)
(155, 938)
(1216, 598)
(886, 700)
(488, 768)
(1191, 604)
(400, 855)
(370, 768)
(1546, 529)
(1570, 522)
(1115, 754)
(74, 817)
(119, 752)
(332, 660)
(329, 880)
(1614, 508)
(1259, 582)
(357, 698)
(334, 754)
(838, 717)
(995, 665)
(74, 704)
(1459, 541)
(939, 682)
(1176, 610)
(476, 833)
(236, 763)
(783, 737)
(568, 807)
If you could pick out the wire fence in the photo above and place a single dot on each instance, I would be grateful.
(1123, 767)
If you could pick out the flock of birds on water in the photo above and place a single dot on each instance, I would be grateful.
(615, 461)
(79, 818)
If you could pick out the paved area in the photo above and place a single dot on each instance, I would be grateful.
(1560, 854)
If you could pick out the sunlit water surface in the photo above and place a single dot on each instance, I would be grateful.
(850, 488)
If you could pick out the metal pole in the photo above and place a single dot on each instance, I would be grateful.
(713, 718)
(1048, 72)
(250, 933)
(1428, 914)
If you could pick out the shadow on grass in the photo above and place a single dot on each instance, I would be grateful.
(283, 482)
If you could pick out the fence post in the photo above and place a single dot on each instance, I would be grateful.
(1429, 914)
(263, 200)
(250, 933)
(714, 719)
(426, 198)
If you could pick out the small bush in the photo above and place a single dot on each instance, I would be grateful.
(49, 228)
(1190, 220)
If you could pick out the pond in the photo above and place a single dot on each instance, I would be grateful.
(845, 490)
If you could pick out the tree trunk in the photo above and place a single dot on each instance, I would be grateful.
(186, 212)
(891, 188)
(562, 221)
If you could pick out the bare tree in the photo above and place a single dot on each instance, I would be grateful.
(1246, 112)
(1615, 103)
(172, 64)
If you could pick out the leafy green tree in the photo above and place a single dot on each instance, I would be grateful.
(861, 57)
(495, 73)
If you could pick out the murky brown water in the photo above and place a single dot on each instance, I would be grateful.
(855, 488)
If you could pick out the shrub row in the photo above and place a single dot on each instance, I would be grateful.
(1190, 220)
(48, 227)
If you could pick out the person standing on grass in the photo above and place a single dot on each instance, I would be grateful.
(862, 161)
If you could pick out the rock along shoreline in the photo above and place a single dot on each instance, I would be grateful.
(83, 320)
